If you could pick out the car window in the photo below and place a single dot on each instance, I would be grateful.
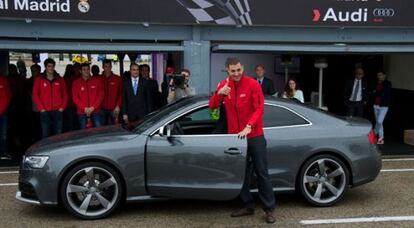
(197, 122)
(276, 116)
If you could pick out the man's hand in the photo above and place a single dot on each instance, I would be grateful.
(43, 110)
(245, 132)
(61, 110)
(116, 111)
(125, 117)
(225, 90)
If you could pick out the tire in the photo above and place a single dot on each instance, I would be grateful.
(323, 180)
(91, 201)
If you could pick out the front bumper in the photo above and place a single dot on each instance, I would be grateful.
(26, 200)
(37, 186)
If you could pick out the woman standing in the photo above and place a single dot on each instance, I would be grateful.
(292, 91)
(382, 100)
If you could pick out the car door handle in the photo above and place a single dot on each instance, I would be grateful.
(233, 151)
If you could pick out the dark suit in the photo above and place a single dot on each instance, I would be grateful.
(137, 106)
(267, 86)
(355, 108)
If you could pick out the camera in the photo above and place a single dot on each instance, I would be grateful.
(178, 79)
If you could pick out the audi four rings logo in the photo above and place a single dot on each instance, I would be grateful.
(383, 12)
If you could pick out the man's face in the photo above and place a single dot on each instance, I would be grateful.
(260, 71)
(50, 68)
(86, 71)
(186, 77)
(145, 71)
(35, 71)
(134, 71)
(359, 74)
(381, 76)
(107, 67)
(235, 71)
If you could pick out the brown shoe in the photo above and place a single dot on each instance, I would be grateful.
(269, 217)
(242, 212)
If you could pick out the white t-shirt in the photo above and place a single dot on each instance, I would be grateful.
(298, 95)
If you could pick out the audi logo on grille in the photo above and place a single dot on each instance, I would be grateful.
(383, 12)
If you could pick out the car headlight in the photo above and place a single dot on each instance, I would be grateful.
(36, 162)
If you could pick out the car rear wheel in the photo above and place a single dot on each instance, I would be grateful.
(91, 190)
(323, 180)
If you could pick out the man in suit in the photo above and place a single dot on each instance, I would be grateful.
(266, 83)
(355, 96)
(145, 70)
(137, 99)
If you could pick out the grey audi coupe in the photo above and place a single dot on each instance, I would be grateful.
(177, 152)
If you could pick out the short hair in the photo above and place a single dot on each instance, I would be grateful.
(85, 65)
(95, 69)
(186, 70)
(49, 61)
(35, 66)
(232, 61)
(259, 65)
(133, 64)
(105, 61)
(144, 66)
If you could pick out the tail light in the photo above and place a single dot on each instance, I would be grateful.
(372, 138)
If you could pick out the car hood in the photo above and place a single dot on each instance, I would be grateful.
(81, 137)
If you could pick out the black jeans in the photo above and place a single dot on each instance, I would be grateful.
(108, 117)
(3, 133)
(355, 108)
(50, 120)
(257, 162)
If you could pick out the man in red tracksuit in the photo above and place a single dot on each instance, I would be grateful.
(5, 97)
(113, 93)
(51, 98)
(244, 104)
(88, 95)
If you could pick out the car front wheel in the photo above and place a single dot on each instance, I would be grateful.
(91, 190)
(323, 180)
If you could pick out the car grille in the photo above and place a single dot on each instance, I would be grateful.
(27, 191)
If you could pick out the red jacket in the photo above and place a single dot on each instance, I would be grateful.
(87, 93)
(50, 95)
(244, 105)
(113, 92)
(5, 94)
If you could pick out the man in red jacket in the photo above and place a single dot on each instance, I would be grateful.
(51, 98)
(244, 104)
(113, 94)
(88, 95)
(5, 97)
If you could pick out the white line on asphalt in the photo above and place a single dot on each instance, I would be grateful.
(8, 184)
(397, 170)
(397, 159)
(9, 172)
(357, 220)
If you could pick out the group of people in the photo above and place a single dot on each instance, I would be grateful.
(81, 98)
(290, 91)
(357, 95)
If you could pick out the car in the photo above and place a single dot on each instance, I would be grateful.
(176, 152)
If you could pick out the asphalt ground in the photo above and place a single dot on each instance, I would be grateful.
(376, 204)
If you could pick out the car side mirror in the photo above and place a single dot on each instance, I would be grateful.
(165, 131)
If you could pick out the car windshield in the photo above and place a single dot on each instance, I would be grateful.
(153, 117)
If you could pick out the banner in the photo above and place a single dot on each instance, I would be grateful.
(333, 13)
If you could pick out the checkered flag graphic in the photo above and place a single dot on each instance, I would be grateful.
(222, 12)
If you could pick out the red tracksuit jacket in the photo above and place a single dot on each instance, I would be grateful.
(50, 95)
(87, 93)
(113, 92)
(244, 105)
(5, 94)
